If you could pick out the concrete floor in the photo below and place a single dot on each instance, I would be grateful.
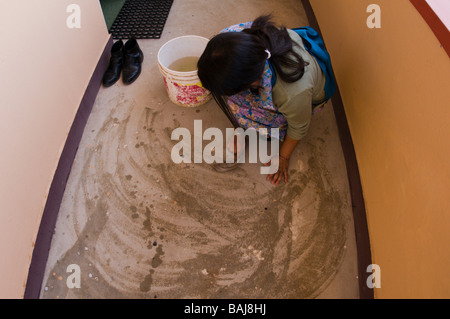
(140, 226)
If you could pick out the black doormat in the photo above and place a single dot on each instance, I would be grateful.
(141, 19)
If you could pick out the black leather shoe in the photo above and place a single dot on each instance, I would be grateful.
(133, 58)
(112, 74)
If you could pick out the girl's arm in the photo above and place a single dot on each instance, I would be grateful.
(286, 150)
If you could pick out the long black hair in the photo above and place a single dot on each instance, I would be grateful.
(232, 61)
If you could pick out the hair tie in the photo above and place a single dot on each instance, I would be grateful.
(268, 54)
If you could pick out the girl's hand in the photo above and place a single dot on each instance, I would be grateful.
(235, 145)
(283, 166)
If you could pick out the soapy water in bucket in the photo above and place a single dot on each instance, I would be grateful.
(185, 64)
(177, 61)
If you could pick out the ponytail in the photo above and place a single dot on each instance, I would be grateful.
(287, 63)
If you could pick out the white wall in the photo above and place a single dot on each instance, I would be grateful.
(44, 71)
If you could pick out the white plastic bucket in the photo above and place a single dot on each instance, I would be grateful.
(183, 88)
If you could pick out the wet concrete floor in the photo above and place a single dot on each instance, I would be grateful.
(140, 226)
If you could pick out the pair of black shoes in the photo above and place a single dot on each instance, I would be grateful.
(125, 59)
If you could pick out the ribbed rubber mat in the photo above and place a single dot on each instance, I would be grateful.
(141, 19)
